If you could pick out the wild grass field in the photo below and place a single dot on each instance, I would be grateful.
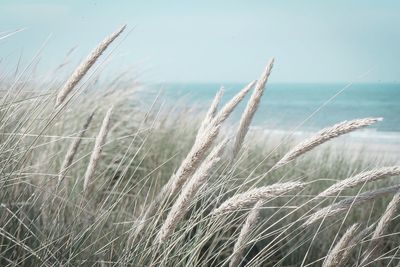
(89, 177)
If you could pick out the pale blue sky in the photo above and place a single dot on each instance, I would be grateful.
(217, 41)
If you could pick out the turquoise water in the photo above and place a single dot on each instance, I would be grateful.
(286, 106)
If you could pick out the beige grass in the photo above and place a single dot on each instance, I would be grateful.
(84, 67)
(323, 136)
(248, 226)
(227, 109)
(211, 112)
(188, 193)
(98, 147)
(376, 243)
(347, 203)
(73, 148)
(194, 158)
(204, 141)
(42, 226)
(251, 109)
(242, 200)
(360, 179)
(338, 256)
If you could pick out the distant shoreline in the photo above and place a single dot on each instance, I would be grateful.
(371, 141)
(286, 105)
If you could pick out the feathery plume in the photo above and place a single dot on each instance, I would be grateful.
(323, 136)
(242, 200)
(98, 146)
(347, 203)
(211, 112)
(338, 256)
(214, 105)
(375, 244)
(84, 67)
(73, 148)
(247, 227)
(195, 156)
(204, 141)
(188, 193)
(223, 114)
(360, 178)
(343, 251)
(251, 109)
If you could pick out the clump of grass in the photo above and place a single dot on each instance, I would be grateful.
(211, 112)
(204, 141)
(195, 156)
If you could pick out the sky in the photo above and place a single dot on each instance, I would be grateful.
(214, 41)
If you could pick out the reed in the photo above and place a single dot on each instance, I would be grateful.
(211, 112)
(242, 200)
(376, 243)
(84, 67)
(251, 109)
(40, 226)
(193, 159)
(204, 142)
(338, 256)
(227, 109)
(188, 193)
(323, 136)
(347, 203)
(360, 179)
(248, 226)
(98, 147)
(73, 148)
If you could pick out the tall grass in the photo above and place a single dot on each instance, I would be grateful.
(146, 189)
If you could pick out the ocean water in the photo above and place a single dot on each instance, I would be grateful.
(299, 110)
(303, 107)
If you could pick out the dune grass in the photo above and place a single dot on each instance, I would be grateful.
(136, 187)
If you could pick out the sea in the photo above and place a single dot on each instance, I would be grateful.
(303, 108)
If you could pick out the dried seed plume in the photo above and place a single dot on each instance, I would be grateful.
(347, 203)
(204, 141)
(227, 109)
(338, 256)
(375, 245)
(323, 136)
(98, 146)
(188, 193)
(211, 112)
(248, 226)
(251, 109)
(73, 148)
(195, 156)
(242, 200)
(84, 67)
(360, 179)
